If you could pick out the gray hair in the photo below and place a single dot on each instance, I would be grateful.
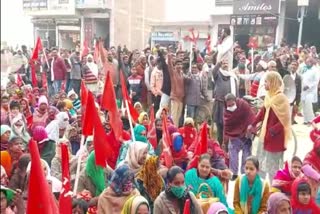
(230, 97)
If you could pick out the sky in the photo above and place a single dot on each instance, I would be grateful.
(16, 28)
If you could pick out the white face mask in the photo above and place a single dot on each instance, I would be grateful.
(232, 108)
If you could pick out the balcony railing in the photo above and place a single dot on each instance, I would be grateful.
(224, 2)
(93, 4)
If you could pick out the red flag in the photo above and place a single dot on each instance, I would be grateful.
(33, 74)
(88, 120)
(85, 48)
(40, 197)
(65, 201)
(84, 94)
(208, 43)
(109, 103)
(166, 139)
(101, 144)
(44, 80)
(187, 208)
(201, 147)
(133, 112)
(152, 135)
(37, 49)
(253, 42)
(19, 80)
(63, 85)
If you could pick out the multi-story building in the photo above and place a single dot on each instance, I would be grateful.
(67, 23)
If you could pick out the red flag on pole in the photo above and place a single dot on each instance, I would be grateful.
(152, 135)
(109, 103)
(208, 43)
(101, 143)
(40, 197)
(37, 49)
(44, 80)
(88, 119)
(19, 80)
(133, 112)
(201, 147)
(166, 140)
(85, 48)
(187, 208)
(65, 201)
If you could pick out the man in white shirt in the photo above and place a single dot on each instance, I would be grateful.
(225, 48)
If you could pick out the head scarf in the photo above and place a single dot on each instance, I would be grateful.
(23, 130)
(296, 205)
(72, 92)
(134, 153)
(96, 174)
(152, 181)
(39, 134)
(274, 200)
(4, 129)
(141, 116)
(121, 177)
(312, 158)
(137, 133)
(56, 183)
(132, 204)
(217, 207)
(279, 104)
(42, 99)
(284, 179)
(68, 103)
(63, 120)
(27, 111)
(3, 176)
(8, 192)
(255, 191)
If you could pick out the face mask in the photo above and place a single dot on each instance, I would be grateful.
(308, 66)
(232, 108)
(178, 191)
(241, 66)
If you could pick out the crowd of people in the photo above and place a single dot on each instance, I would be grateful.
(192, 108)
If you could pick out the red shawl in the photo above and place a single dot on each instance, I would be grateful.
(296, 205)
(237, 122)
(284, 179)
(312, 158)
(189, 135)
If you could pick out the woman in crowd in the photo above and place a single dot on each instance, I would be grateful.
(173, 199)
(251, 192)
(218, 208)
(40, 114)
(144, 119)
(178, 151)
(196, 177)
(79, 206)
(148, 180)
(188, 132)
(5, 136)
(276, 125)
(18, 178)
(279, 203)
(10, 157)
(301, 199)
(19, 129)
(92, 179)
(284, 178)
(11, 198)
(137, 205)
(121, 188)
(26, 110)
(136, 156)
(47, 147)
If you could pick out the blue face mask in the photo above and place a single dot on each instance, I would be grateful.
(178, 191)
(308, 66)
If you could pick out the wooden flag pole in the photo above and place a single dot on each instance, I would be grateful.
(78, 165)
(130, 121)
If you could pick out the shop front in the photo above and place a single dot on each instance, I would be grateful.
(255, 19)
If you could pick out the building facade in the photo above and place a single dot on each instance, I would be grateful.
(68, 23)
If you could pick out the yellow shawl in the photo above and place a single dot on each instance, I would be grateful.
(279, 103)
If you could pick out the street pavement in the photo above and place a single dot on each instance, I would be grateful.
(304, 145)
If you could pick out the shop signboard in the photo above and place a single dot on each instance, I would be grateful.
(49, 7)
(256, 20)
(255, 7)
(163, 36)
(35, 5)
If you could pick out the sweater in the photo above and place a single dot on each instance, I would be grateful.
(177, 82)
